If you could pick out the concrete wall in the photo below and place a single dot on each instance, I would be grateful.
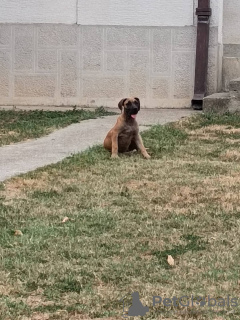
(70, 64)
(152, 55)
(231, 41)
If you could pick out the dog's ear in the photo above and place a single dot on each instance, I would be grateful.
(138, 103)
(121, 103)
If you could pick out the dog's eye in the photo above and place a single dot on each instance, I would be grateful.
(137, 100)
(128, 104)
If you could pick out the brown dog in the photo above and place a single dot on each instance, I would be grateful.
(124, 136)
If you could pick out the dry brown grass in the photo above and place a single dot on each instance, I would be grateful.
(125, 217)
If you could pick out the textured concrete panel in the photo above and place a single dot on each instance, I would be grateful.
(5, 35)
(231, 70)
(138, 85)
(132, 13)
(162, 42)
(92, 48)
(123, 37)
(231, 22)
(139, 61)
(137, 38)
(4, 73)
(97, 65)
(116, 37)
(161, 88)
(183, 84)
(231, 50)
(69, 74)
(34, 85)
(116, 61)
(103, 87)
(40, 11)
(139, 66)
(213, 37)
(57, 35)
(184, 38)
(47, 60)
(212, 77)
(216, 12)
(24, 47)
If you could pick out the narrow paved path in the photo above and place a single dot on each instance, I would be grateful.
(27, 156)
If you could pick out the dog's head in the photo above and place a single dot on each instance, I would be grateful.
(130, 106)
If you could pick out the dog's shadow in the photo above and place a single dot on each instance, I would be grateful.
(131, 154)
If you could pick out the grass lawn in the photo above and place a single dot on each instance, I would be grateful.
(125, 217)
(16, 126)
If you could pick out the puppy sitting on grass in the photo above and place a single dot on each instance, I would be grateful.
(124, 136)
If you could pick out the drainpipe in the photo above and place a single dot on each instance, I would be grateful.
(203, 12)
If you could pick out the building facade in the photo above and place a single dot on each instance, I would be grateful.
(93, 52)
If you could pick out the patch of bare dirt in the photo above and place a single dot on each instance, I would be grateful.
(16, 187)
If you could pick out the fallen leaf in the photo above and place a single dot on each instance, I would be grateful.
(18, 233)
(170, 260)
(65, 219)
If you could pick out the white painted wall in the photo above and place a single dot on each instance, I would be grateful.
(216, 6)
(231, 22)
(113, 12)
(38, 11)
(220, 21)
(99, 12)
(136, 12)
(120, 12)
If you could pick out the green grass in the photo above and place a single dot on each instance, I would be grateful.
(208, 119)
(16, 126)
(125, 217)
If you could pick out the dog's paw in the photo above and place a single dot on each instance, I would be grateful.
(114, 156)
(147, 156)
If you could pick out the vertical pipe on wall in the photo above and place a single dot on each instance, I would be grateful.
(203, 12)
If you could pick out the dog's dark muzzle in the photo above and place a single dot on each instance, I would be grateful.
(134, 110)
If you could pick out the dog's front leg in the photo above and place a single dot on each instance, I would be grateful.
(141, 147)
(114, 145)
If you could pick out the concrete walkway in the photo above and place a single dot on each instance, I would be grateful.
(27, 156)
